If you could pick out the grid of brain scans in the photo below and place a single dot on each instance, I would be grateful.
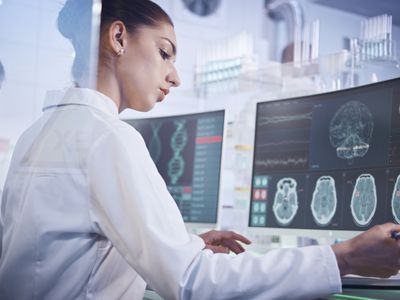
(187, 152)
(329, 161)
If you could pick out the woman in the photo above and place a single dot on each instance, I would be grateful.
(86, 214)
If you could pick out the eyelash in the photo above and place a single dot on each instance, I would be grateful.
(164, 55)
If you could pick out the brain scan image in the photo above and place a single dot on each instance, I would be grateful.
(285, 203)
(324, 201)
(363, 201)
(350, 130)
(396, 200)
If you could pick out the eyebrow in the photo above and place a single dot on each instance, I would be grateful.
(172, 44)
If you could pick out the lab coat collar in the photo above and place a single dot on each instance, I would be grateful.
(81, 96)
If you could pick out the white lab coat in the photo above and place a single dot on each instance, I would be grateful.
(87, 216)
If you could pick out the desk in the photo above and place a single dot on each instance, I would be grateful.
(353, 289)
(358, 288)
(365, 294)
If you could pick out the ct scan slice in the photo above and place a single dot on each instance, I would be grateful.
(363, 202)
(396, 200)
(285, 203)
(324, 201)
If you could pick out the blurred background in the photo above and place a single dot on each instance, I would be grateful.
(231, 55)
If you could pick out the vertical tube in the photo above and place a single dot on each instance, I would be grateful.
(305, 57)
(315, 40)
(297, 46)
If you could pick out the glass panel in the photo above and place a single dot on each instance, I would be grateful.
(37, 55)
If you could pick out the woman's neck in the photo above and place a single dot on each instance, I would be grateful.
(108, 85)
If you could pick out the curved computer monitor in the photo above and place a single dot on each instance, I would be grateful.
(187, 150)
(327, 162)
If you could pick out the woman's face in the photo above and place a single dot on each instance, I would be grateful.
(146, 70)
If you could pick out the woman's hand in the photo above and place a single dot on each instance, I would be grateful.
(224, 241)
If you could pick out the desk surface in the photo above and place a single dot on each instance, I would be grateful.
(361, 288)
(392, 283)
(348, 294)
(353, 289)
(367, 294)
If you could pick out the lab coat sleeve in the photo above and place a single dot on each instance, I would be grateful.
(131, 206)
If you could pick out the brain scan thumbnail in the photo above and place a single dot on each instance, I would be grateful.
(396, 200)
(363, 201)
(350, 130)
(285, 203)
(324, 201)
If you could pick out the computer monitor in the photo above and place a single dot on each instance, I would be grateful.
(328, 161)
(187, 151)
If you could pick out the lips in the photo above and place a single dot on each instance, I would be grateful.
(165, 91)
(163, 94)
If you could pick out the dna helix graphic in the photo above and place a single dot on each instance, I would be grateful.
(155, 142)
(179, 138)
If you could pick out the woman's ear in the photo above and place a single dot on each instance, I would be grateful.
(118, 37)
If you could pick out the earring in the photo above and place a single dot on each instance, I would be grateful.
(120, 52)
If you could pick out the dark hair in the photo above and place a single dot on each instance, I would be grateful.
(75, 19)
(134, 13)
